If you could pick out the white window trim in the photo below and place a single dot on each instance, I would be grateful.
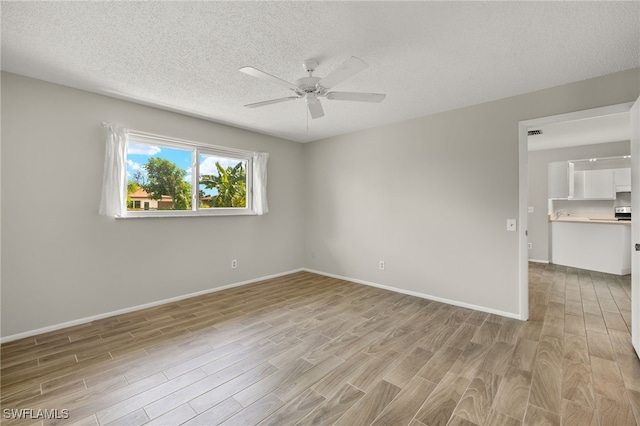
(255, 183)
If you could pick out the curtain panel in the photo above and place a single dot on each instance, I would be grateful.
(260, 206)
(114, 177)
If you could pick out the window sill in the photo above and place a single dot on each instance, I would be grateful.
(188, 213)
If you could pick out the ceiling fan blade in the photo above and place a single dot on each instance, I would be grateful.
(267, 77)
(356, 96)
(349, 68)
(272, 101)
(315, 108)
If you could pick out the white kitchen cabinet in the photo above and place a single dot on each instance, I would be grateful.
(603, 247)
(594, 185)
(558, 180)
(564, 182)
(599, 184)
(622, 179)
(577, 184)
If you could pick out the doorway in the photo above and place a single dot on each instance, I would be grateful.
(632, 111)
(524, 127)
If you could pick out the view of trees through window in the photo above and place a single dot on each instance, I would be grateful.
(161, 178)
(223, 185)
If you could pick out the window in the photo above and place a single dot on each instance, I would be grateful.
(172, 177)
(222, 181)
(159, 175)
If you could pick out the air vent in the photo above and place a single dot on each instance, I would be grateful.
(534, 132)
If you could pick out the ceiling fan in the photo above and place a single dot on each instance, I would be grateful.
(311, 88)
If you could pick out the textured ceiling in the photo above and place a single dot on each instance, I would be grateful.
(427, 57)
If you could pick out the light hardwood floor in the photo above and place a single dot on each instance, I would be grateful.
(312, 350)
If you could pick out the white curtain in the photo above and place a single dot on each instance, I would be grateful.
(260, 182)
(114, 178)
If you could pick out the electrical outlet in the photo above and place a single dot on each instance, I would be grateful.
(530, 245)
(381, 265)
(530, 209)
(234, 264)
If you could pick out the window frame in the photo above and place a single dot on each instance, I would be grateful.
(196, 149)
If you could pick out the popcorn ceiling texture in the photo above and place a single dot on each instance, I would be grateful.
(427, 57)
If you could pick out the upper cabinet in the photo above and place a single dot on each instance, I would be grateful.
(558, 180)
(594, 185)
(622, 179)
(595, 179)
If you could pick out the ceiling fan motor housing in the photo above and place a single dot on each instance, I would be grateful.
(308, 84)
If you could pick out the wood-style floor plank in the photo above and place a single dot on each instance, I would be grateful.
(305, 349)
(442, 401)
(328, 411)
(370, 405)
(404, 407)
(478, 399)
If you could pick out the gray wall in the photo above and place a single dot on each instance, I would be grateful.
(538, 161)
(61, 261)
(431, 196)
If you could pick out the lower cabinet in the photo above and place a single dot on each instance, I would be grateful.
(599, 247)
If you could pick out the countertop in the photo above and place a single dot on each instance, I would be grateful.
(583, 219)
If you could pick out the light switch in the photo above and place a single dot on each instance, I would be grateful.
(511, 224)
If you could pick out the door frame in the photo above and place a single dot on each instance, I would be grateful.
(523, 186)
(634, 118)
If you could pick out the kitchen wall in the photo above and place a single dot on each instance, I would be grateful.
(62, 262)
(538, 198)
(431, 196)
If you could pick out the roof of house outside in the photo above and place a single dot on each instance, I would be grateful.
(142, 194)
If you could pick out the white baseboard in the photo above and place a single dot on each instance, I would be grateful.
(421, 295)
(85, 320)
(538, 261)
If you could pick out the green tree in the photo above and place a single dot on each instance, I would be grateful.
(166, 178)
(132, 186)
(231, 184)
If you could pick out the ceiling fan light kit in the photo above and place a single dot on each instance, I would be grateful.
(311, 88)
